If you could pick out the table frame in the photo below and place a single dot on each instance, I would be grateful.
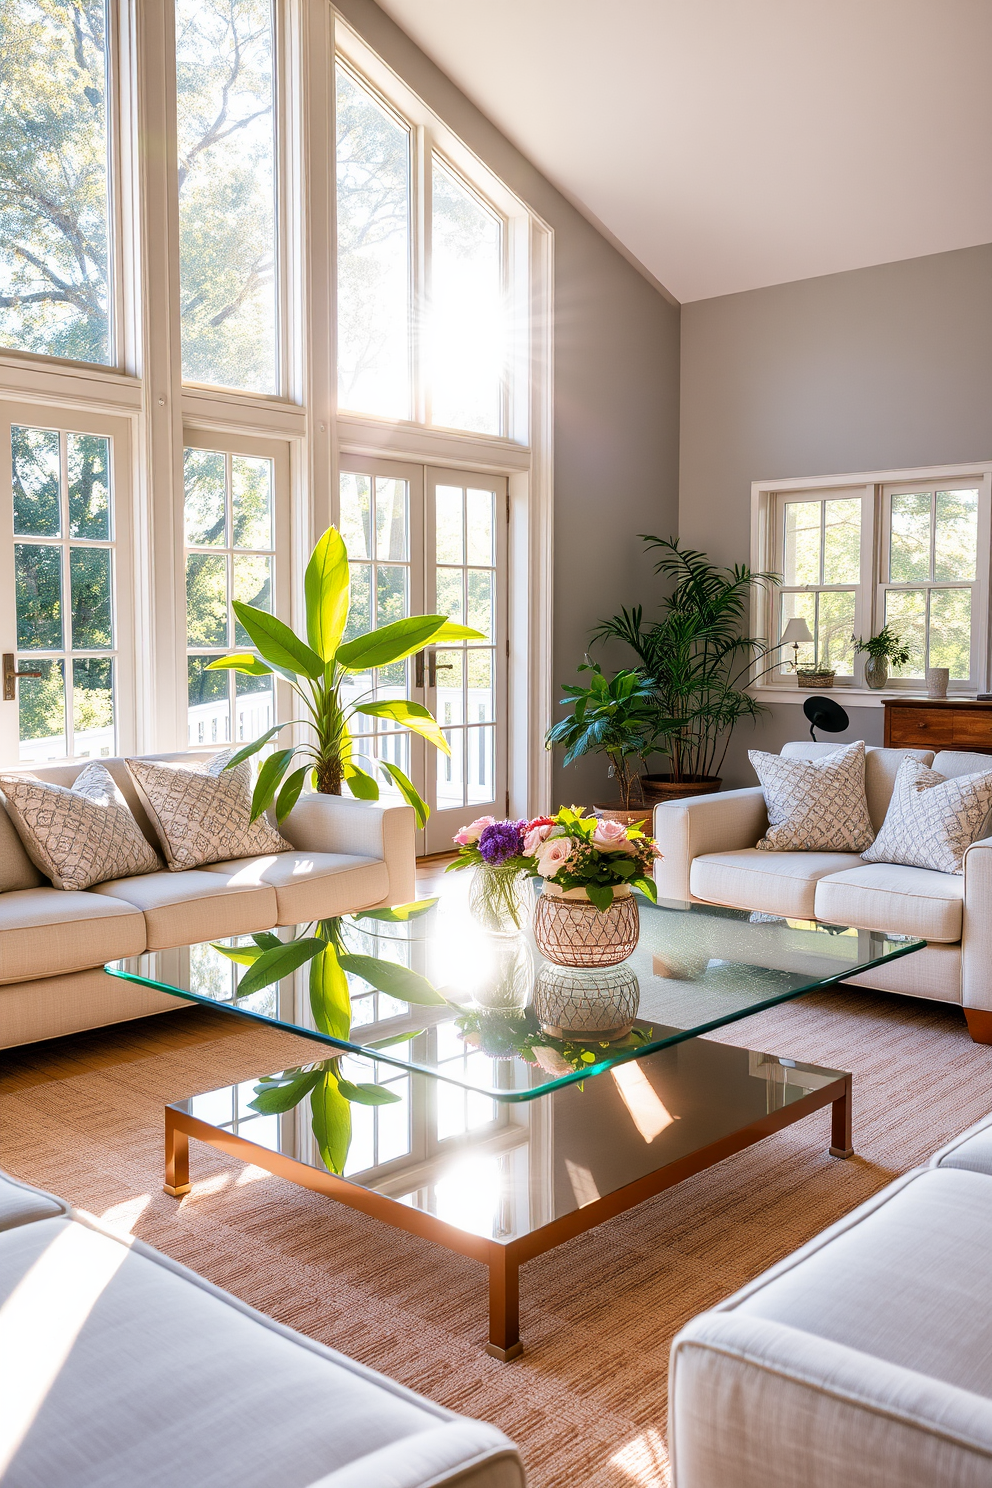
(503, 1259)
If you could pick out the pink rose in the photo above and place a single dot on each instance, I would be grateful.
(611, 836)
(553, 854)
(535, 837)
(465, 836)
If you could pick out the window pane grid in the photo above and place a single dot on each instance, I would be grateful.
(65, 593)
(230, 555)
(822, 571)
(928, 596)
(465, 591)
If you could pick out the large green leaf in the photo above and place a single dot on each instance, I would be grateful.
(273, 1099)
(277, 643)
(407, 790)
(451, 631)
(331, 1122)
(269, 776)
(409, 715)
(248, 750)
(271, 966)
(361, 783)
(648, 888)
(243, 661)
(327, 589)
(243, 955)
(290, 793)
(390, 642)
(399, 914)
(367, 1095)
(398, 981)
(330, 999)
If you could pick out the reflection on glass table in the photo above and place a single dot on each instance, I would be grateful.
(505, 1182)
(432, 992)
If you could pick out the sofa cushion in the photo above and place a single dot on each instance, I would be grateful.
(782, 883)
(815, 805)
(16, 869)
(203, 815)
(78, 835)
(21, 1204)
(46, 932)
(880, 769)
(135, 1371)
(891, 896)
(971, 1150)
(185, 908)
(312, 885)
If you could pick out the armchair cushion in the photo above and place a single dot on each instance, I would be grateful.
(891, 896)
(782, 883)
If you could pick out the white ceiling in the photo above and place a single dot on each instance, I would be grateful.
(730, 144)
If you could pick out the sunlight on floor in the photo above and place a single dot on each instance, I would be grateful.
(207, 1187)
(645, 1460)
(122, 1218)
(41, 1320)
(250, 1175)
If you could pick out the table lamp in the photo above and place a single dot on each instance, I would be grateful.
(794, 635)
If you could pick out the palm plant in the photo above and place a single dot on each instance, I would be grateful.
(612, 716)
(696, 657)
(317, 670)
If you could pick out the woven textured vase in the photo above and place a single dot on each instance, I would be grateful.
(572, 932)
(601, 1004)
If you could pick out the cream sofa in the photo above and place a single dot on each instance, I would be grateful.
(710, 856)
(348, 855)
(862, 1360)
(123, 1369)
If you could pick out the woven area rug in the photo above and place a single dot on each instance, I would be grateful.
(586, 1402)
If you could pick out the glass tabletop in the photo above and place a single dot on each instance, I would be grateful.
(497, 1019)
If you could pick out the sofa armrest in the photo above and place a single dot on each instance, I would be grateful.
(470, 1453)
(976, 927)
(369, 829)
(686, 829)
(747, 1393)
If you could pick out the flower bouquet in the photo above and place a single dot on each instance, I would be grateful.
(498, 897)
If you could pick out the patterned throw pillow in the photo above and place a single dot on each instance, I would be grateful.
(202, 815)
(78, 836)
(816, 805)
(932, 818)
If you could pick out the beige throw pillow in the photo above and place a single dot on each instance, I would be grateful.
(932, 819)
(816, 805)
(202, 815)
(79, 835)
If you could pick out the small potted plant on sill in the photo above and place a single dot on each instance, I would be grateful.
(881, 650)
(816, 677)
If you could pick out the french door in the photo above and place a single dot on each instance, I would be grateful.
(423, 539)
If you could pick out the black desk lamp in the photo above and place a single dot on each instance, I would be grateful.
(823, 713)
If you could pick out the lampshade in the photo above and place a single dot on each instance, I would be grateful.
(795, 632)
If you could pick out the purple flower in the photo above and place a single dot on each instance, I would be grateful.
(501, 841)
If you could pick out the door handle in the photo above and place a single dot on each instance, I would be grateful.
(10, 676)
(435, 666)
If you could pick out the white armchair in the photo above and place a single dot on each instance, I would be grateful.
(710, 856)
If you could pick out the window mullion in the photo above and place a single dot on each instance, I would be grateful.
(421, 251)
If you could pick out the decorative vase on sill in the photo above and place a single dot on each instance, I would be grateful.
(571, 931)
(498, 899)
(876, 671)
(600, 1005)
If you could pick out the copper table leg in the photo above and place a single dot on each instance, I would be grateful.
(840, 1124)
(504, 1306)
(176, 1158)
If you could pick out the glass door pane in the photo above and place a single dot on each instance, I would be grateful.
(465, 684)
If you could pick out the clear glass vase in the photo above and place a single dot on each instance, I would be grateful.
(876, 671)
(498, 899)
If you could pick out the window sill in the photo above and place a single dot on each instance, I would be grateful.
(860, 697)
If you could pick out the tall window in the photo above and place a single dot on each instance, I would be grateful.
(467, 369)
(64, 588)
(373, 184)
(821, 568)
(230, 554)
(55, 264)
(932, 541)
(227, 252)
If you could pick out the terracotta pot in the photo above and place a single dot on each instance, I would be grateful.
(664, 788)
(571, 931)
(613, 811)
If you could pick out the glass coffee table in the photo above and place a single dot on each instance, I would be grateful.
(529, 1102)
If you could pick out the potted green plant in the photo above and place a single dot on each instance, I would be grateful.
(696, 660)
(317, 669)
(614, 716)
(880, 650)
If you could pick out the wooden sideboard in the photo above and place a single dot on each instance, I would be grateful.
(925, 723)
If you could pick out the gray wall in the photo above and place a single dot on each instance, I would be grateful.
(616, 389)
(880, 368)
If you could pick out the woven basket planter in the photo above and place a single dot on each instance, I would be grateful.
(572, 932)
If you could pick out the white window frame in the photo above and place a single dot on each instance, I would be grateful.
(768, 499)
(143, 384)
